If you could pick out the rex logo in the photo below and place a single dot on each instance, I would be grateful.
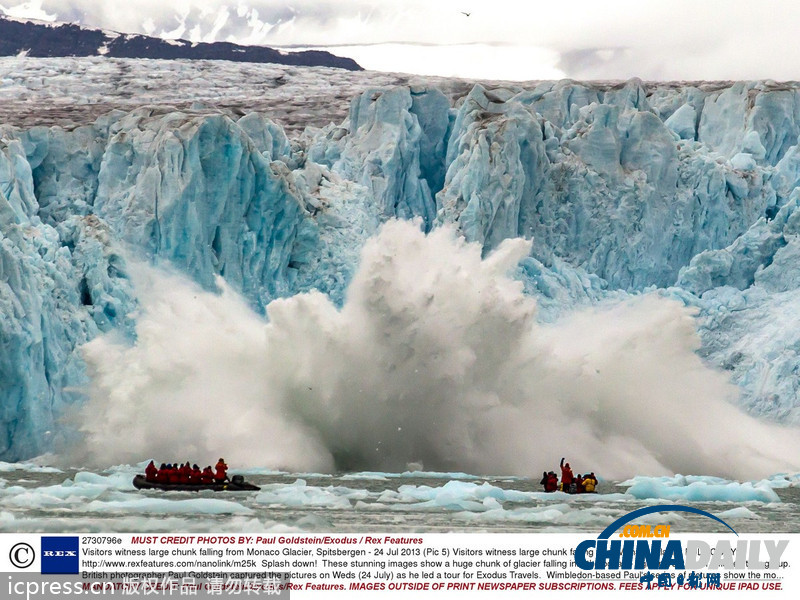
(60, 554)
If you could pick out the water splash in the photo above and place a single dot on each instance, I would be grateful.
(436, 358)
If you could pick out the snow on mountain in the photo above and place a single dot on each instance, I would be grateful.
(20, 36)
(237, 23)
(689, 189)
(27, 10)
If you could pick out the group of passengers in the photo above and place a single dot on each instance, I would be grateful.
(571, 484)
(186, 474)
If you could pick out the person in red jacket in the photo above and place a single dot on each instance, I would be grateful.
(551, 485)
(194, 476)
(151, 471)
(222, 470)
(186, 473)
(566, 475)
(207, 476)
(549, 481)
(172, 473)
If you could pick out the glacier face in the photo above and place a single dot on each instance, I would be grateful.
(690, 189)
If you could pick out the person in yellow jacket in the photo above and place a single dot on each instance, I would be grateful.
(590, 483)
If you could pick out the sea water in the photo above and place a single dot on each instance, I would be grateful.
(46, 499)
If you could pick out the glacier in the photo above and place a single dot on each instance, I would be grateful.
(686, 190)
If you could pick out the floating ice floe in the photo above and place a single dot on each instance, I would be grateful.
(258, 471)
(6, 467)
(434, 475)
(376, 476)
(740, 512)
(784, 480)
(194, 506)
(554, 514)
(700, 489)
(300, 494)
(117, 481)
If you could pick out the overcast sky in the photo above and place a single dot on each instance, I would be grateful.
(500, 39)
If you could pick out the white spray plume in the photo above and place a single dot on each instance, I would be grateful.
(436, 357)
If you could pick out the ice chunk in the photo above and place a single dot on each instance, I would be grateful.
(702, 490)
(366, 475)
(30, 467)
(683, 122)
(300, 494)
(162, 506)
(741, 512)
(117, 481)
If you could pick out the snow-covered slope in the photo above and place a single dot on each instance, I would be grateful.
(239, 22)
(41, 38)
(689, 188)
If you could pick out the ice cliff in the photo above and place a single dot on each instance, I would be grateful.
(691, 189)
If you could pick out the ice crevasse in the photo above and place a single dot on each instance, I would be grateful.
(687, 189)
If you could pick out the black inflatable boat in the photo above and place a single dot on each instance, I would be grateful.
(236, 484)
